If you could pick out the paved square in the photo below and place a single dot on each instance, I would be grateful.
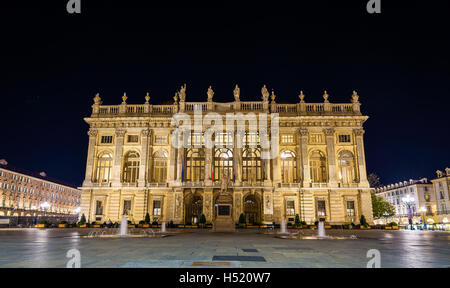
(48, 248)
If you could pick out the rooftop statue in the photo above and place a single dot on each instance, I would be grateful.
(265, 93)
(182, 93)
(237, 93)
(210, 94)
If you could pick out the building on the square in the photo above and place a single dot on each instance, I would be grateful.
(319, 172)
(26, 193)
(441, 186)
(423, 205)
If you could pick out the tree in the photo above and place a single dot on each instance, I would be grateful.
(242, 218)
(297, 220)
(83, 219)
(363, 221)
(202, 219)
(374, 180)
(381, 208)
(147, 218)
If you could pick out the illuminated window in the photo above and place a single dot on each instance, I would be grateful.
(133, 139)
(287, 138)
(156, 207)
(159, 174)
(224, 139)
(107, 139)
(98, 208)
(288, 167)
(251, 139)
(290, 208)
(350, 208)
(321, 210)
(346, 165)
(315, 138)
(251, 165)
(317, 164)
(195, 165)
(104, 168)
(160, 139)
(131, 167)
(126, 207)
(223, 163)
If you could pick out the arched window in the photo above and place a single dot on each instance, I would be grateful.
(346, 167)
(288, 167)
(318, 166)
(159, 173)
(104, 168)
(251, 165)
(223, 163)
(131, 167)
(195, 165)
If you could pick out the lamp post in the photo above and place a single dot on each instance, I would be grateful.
(408, 200)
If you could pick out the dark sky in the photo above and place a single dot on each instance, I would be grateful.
(53, 63)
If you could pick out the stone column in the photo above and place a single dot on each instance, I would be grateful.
(208, 163)
(331, 157)
(180, 158)
(117, 166)
(172, 161)
(237, 156)
(90, 157)
(143, 167)
(208, 205)
(303, 142)
(361, 158)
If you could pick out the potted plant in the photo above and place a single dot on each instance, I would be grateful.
(363, 223)
(95, 224)
(297, 221)
(82, 222)
(241, 221)
(154, 224)
(63, 224)
(202, 221)
(42, 224)
(146, 223)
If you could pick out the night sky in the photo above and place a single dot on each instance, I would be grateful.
(53, 63)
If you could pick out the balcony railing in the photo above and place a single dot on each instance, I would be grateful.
(250, 106)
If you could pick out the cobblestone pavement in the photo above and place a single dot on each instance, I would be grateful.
(48, 248)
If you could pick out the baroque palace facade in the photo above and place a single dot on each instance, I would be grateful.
(319, 171)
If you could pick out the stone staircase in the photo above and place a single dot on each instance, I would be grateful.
(224, 224)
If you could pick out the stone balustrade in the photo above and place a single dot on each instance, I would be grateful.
(300, 109)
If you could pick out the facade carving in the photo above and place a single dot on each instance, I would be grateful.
(319, 171)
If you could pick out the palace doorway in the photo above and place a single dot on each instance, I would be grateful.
(193, 208)
(252, 209)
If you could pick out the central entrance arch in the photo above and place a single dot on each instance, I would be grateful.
(252, 208)
(193, 208)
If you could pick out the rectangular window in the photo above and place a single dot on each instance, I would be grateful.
(156, 207)
(287, 138)
(290, 208)
(133, 139)
(99, 208)
(196, 139)
(107, 139)
(315, 138)
(126, 207)
(350, 208)
(321, 209)
(160, 139)
(224, 139)
(344, 138)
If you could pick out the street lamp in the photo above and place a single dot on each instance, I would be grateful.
(408, 200)
(77, 210)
